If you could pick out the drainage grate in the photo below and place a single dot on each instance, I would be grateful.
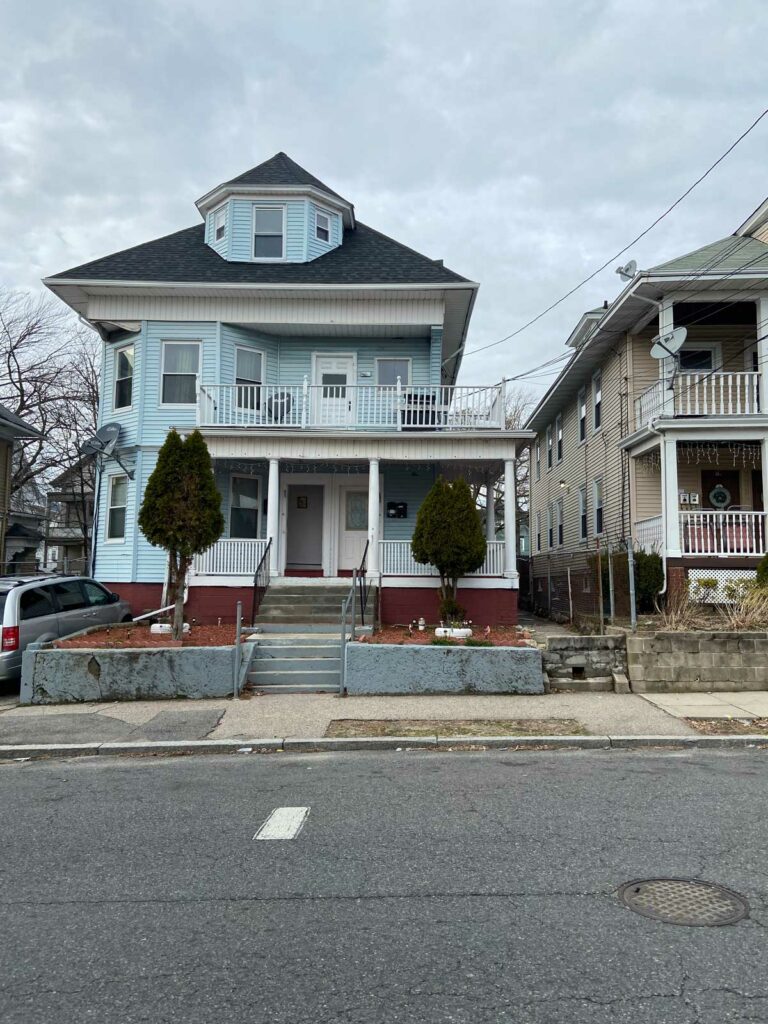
(684, 901)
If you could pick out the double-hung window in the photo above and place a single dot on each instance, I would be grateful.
(181, 365)
(389, 370)
(582, 513)
(583, 414)
(322, 226)
(597, 500)
(549, 447)
(559, 437)
(124, 377)
(538, 459)
(244, 507)
(597, 399)
(249, 376)
(268, 232)
(560, 526)
(538, 531)
(117, 499)
(550, 527)
(220, 224)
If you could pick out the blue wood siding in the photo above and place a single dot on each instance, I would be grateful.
(128, 419)
(296, 356)
(223, 472)
(233, 337)
(114, 559)
(157, 418)
(241, 244)
(408, 483)
(315, 246)
(436, 356)
(223, 245)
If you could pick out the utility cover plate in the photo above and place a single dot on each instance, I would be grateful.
(684, 901)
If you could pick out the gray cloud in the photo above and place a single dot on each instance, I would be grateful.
(523, 142)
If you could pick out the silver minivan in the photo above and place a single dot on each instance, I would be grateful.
(47, 607)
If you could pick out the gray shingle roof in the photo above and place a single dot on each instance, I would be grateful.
(365, 257)
(281, 170)
(724, 256)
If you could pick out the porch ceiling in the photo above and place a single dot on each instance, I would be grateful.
(315, 330)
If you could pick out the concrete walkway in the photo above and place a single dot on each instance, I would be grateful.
(309, 715)
(748, 704)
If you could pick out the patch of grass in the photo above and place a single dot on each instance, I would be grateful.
(352, 727)
(443, 641)
(472, 642)
(729, 726)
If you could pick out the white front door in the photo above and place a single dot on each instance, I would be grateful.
(353, 526)
(334, 378)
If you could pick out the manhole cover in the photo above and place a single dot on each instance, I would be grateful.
(684, 901)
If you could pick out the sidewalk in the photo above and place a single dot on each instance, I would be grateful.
(308, 716)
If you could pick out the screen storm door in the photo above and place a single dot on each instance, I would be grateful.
(353, 534)
(244, 507)
(334, 391)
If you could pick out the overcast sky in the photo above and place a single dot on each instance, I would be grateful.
(522, 142)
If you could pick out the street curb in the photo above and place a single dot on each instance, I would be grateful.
(378, 743)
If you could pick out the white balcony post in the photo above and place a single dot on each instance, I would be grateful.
(273, 513)
(510, 520)
(373, 516)
(762, 357)
(762, 533)
(670, 498)
(490, 512)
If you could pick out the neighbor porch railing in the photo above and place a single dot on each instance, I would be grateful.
(722, 533)
(700, 394)
(352, 407)
(236, 557)
(649, 534)
(396, 559)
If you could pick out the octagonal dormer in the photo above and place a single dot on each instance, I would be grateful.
(275, 213)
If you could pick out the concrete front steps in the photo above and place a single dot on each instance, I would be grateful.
(297, 659)
(302, 605)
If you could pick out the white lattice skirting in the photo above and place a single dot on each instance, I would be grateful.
(723, 577)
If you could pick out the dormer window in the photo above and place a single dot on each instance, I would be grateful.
(220, 224)
(268, 233)
(322, 226)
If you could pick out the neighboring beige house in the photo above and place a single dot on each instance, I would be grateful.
(11, 427)
(670, 454)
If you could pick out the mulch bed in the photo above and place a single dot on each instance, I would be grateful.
(140, 636)
(500, 636)
(455, 727)
(729, 726)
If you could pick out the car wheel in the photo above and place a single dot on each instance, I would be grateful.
(127, 618)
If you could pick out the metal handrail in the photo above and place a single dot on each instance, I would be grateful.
(363, 584)
(345, 606)
(260, 581)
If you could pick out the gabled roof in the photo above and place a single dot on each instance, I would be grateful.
(727, 255)
(366, 257)
(12, 425)
(281, 170)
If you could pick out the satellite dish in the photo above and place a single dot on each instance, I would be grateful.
(103, 441)
(628, 271)
(666, 345)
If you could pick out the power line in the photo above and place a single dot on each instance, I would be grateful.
(621, 252)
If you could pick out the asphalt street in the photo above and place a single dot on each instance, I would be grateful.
(417, 887)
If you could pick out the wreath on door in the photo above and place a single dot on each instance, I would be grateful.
(720, 497)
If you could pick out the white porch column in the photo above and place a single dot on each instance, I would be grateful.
(669, 497)
(373, 516)
(762, 357)
(510, 519)
(763, 535)
(490, 512)
(273, 513)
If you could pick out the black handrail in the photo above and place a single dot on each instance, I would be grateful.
(363, 584)
(260, 582)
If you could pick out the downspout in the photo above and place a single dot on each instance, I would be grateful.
(658, 433)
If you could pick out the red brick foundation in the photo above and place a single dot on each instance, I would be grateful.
(205, 605)
(484, 607)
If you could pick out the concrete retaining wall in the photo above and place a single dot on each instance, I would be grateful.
(584, 663)
(413, 669)
(697, 662)
(64, 676)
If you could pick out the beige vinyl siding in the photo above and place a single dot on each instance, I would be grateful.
(646, 490)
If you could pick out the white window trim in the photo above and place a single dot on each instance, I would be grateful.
(268, 259)
(559, 522)
(582, 394)
(559, 439)
(549, 448)
(259, 502)
(259, 351)
(584, 512)
(329, 217)
(110, 485)
(595, 482)
(122, 348)
(219, 210)
(550, 526)
(666, 366)
(401, 359)
(179, 341)
(595, 376)
(539, 525)
(537, 458)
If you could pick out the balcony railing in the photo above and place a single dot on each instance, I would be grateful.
(229, 558)
(700, 394)
(722, 533)
(351, 407)
(649, 534)
(396, 559)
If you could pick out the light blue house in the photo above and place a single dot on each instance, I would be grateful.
(319, 358)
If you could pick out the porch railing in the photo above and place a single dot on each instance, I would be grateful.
(700, 394)
(237, 557)
(396, 559)
(352, 407)
(722, 533)
(649, 534)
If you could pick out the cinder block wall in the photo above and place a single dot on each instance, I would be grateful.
(697, 662)
(585, 663)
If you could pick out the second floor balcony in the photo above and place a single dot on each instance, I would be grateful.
(352, 407)
(700, 394)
